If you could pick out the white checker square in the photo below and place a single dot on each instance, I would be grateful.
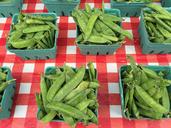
(24, 7)
(1, 32)
(73, 65)
(28, 68)
(58, 19)
(71, 20)
(9, 53)
(39, 6)
(169, 64)
(3, 20)
(25, 88)
(9, 65)
(115, 111)
(153, 64)
(112, 67)
(20, 111)
(71, 50)
(126, 19)
(71, 33)
(107, 5)
(113, 88)
(130, 49)
(49, 65)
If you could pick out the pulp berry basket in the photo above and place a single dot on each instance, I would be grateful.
(127, 8)
(166, 3)
(121, 86)
(147, 46)
(36, 54)
(7, 96)
(10, 7)
(61, 7)
(99, 49)
(50, 70)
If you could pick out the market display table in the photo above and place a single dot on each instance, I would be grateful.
(27, 73)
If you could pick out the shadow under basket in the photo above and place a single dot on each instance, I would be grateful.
(7, 97)
(9, 8)
(61, 7)
(147, 46)
(97, 49)
(122, 89)
(36, 54)
(50, 70)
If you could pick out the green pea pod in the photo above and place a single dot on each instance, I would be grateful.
(150, 73)
(23, 43)
(5, 84)
(92, 70)
(44, 18)
(149, 19)
(55, 87)
(40, 115)
(37, 28)
(39, 102)
(94, 39)
(165, 99)
(34, 21)
(110, 17)
(94, 85)
(111, 38)
(52, 25)
(49, 117)
(158, 94)
(69, 120)
(163, 31)
(15, 35)
(68, 87)
(93, 117)
(140, 105)
(127, 93)
(149, 100)
(135, 110)
(3, 75)
(90, 25)
(150, 114)
(153, 28)
(82, 86)
(67, 109)
(150, 83)
(130, 101)
(84, 104)
(87, 8)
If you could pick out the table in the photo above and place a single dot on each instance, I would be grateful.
(27, 73)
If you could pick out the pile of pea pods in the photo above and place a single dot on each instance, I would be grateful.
(3, 83)
(68, 94)
(98, 27)
(145, 92)
(158, 24)
(32, 32)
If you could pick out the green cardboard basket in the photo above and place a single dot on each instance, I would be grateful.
(10, 7)
(99, 49)
(7, 97)
(36, 54)
(50, 70)
(166, 3)
(121, 86)
(127, 8)
(147, 46)
(61, 7)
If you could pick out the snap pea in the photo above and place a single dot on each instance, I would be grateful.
(135, 110)
(165, 99)
(67, 109)
(98, 40)
(34, 21)
(37, 28)
(87, 8)
(92, 116)
(39, 17)
(151, 114)
(163, 31)
(5, 84)
(15, 35)
(69, 120)
(63, 92)
(49, 117)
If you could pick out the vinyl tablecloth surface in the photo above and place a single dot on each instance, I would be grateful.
(27, 73)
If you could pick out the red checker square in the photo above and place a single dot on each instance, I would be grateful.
(62, 42)
(126, 25)
(103, 89)
(153, 123)
(112, 77)
(7, 26)
(114, 99)
(62, 34)
(60, 58)
(101, 77)
(138, 124)
(5, 123)
(71, 26)
(21, 99)
(162, 59)
(103, 112)
(61, 50)
(71, 41)
(165, 123)
(30, 122)
(151, 58)
(32, 111)
(26, 77)
(18, 123)
(140, 59)
(39, 67)
(63, 19)
(116, 123)
(103, 99)
(80, 58)
(32, 99)
(70, 58)
(98, 4)
(90, 58)
(35, 87)
(128, 123)
(18, 67)
(101, 59)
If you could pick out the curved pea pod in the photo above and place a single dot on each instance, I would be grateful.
(131, 98)
(83, 15)
(67, 109)
(39, 102)
(3, 76)
(97, 26)
(68, 87)
(52, 25)
(87, 8)
(127, 93)
(39, 17)
(90, 25)
(49, 117)
(5, 84)
(92, 70)
(23, 43)
(82, 86)
(84, 104)
(78, 98)
(37, 28)
(20, 26)
(163, 31)
(165, 99)
(80, 38)
(140, 105)
(55, 87)
(15, 35)
(93, 117)
(163, 24)
(92, 95)
(150, 73)
(144, 77)
(69, 120)
(111, 38)
(110, 17)
(94, 39)
(135, 110)
(150, 114)
(158, 94)
(40, 115)
(34, 21)
(150, 83)
(149, 100)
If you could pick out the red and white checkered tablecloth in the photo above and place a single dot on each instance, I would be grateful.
(28, 73)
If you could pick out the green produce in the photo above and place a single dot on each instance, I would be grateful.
(32, 32)
(4, 83)
(68, 94)
(145, 92)
(134, 1)
(158, 24)
(97, 27)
